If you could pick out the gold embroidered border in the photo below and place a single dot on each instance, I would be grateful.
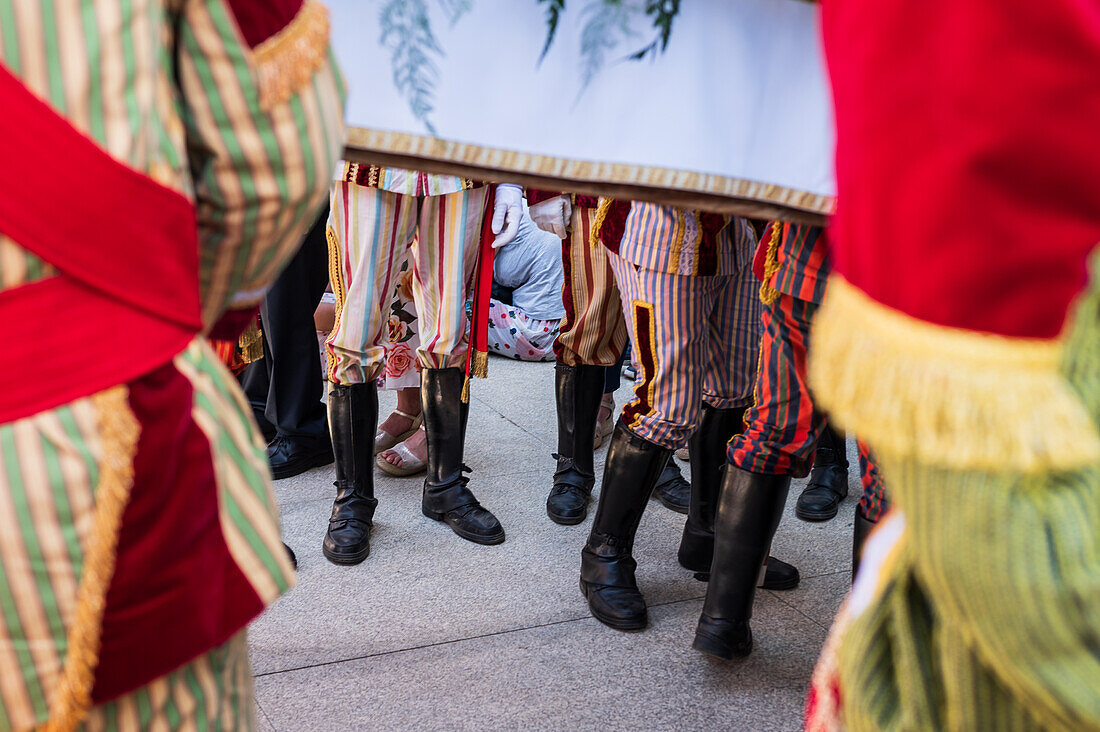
(955, 398)
(288, 60)
(685, 189)
(336, 276)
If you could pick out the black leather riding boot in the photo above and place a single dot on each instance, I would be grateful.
(707, 456)
(707, 451)
(828, 484)
(446, 497)
(607, 566)
(579, 390)
(353, 419)
(748, 514)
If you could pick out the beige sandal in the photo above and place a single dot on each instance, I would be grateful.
(607, 426)
(385, 441)
(410, 464)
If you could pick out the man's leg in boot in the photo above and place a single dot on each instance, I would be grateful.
(707, 455)
(659, 417)
(355, 356)
(607, 564)
(748, 515)
(736, 334)
(777, 444)
(353, 414)
(592, 336)
(828, 485)
(578, 391)
(448, 223)
(446, 497)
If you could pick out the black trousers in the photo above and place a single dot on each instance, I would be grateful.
(285, 386)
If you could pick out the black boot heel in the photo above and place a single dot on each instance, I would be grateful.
(725, 639)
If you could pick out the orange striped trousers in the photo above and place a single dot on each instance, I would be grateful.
(593, 331)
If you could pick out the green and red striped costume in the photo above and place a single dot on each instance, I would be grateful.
(227, 115)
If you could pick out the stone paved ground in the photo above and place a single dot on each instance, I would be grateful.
(433, 632)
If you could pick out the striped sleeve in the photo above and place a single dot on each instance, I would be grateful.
(264, 128)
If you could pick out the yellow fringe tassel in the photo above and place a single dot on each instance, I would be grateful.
(949, 397)
(602, 209)
(288, 60)
(465, 397)
(119, 431)
(480, 365)
(251, 343)
(769, 294)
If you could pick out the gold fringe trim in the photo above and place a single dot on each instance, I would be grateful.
(119, 431)
(602, 209)
(944, 396)
(251, 343)
(480, 365)
(288, 60)
(479, 368)
(769, 294)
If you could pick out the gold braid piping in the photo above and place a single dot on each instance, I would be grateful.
(119, 431)
(769, 294)
(336, 277)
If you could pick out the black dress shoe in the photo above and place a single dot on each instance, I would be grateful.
(778, 575)
(290, 456)
(291, 556)
(672, 490)
(828, 484)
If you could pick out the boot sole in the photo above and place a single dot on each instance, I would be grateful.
(670, 506)
(567, 520)
(346, 560)
(629, 626)
(781, 586)
(317, 461)
(816, 515)
(714, 647)
(475, 538)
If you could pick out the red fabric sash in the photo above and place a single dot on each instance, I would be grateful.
(483, 285)
(127, 296)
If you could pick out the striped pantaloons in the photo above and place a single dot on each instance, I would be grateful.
(370, 233)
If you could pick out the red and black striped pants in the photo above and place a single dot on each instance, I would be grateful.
(782, 427)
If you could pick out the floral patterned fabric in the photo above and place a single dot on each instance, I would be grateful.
(514, 334)
(402, 370)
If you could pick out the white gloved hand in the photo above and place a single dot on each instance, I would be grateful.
(553, 215)
(507, 212)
